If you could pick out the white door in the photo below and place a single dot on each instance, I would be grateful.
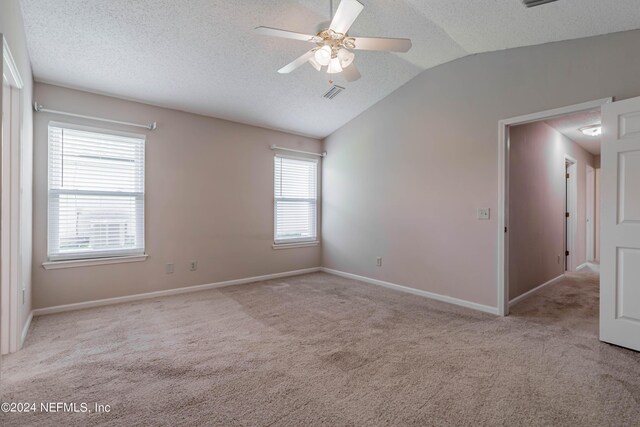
(591, 193)
(620, 226)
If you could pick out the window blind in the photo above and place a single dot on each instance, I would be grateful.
(96, 193)
(296, 197)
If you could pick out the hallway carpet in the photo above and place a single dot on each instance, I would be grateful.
(320, 350)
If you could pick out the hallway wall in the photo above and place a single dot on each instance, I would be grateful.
(537, 205)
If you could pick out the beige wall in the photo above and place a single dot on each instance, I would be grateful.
(12, 28)
(209, 197)
(404, 179)
(537, 205)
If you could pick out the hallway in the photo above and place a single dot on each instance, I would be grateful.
(572, 303)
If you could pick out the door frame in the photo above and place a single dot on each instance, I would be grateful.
(10, 203)
(590, 214)
(503, 187)
(571, 207)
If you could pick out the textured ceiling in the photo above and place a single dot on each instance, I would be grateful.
(201, 55)
(570, 126)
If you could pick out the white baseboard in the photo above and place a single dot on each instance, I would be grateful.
(25, 329)
(581, 266)
(534, 290)
(175, 291)
(590, 266)
(419, 292)
(196, 288)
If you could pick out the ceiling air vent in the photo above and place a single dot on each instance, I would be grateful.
(333, 92)
(533, 3)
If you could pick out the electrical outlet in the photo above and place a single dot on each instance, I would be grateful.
(379, 261)
(193, 266)
(168, 268)
(484, 213)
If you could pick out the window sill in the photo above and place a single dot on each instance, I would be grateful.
(55, 265)
(295, 245)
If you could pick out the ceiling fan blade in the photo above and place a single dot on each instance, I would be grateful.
(295, 64)
(275, 32)
(347, 12)
(382, 44)
(351, 73)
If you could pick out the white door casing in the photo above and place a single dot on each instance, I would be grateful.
(503, 187)
(571, 207)
(620, 225)
(590, 223)
(5, 290)
(10, 203)
(597, 215)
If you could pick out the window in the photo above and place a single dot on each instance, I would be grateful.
(96, 193)
(296, 200)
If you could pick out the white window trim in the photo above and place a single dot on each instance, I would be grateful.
(296, 245)
(97, 258)
(55, 265)
(303, 242)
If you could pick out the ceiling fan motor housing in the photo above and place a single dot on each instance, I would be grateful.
(335, 41)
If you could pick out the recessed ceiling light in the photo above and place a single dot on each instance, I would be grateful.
(594, 130)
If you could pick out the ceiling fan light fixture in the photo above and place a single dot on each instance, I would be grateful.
(315, 64)
(323, 55)
(346, 57)
(334, 66)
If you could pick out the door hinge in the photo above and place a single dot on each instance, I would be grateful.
(566, 253)
(566, 214)
(505, 229)
(567, 176)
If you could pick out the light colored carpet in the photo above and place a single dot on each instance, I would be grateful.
(323, 350)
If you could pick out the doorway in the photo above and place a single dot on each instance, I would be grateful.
(570, 237)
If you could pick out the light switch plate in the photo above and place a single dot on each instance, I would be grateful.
(484, 213)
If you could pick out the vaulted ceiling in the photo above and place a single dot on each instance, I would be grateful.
(202, 56)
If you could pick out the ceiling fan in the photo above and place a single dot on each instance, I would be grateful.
(335, 45)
